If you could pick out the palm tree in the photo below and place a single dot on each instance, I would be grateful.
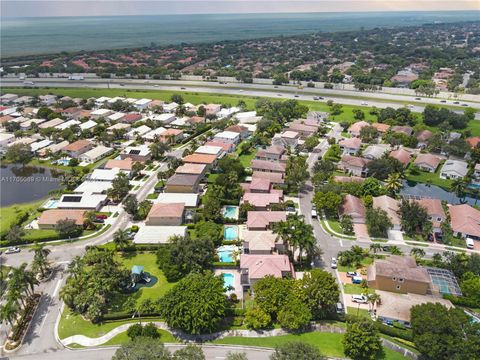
(375, 247)
(88, 218)
(418, 253)
(9, 312)
(393, 183)
(395, 250)
(75, 267)
(40, 263)
(120, 239)
(374, 299)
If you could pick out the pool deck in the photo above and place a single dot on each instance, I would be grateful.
(236, 273)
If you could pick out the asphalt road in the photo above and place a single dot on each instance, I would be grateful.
(211, 353)
(347, 97)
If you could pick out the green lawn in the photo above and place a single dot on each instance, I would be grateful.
(356, 289)
(148, 261)
(429, 178)
(8, 214)
(246, 159)
(73, 324)
(365, 262)
(353, 310)
(330, 344)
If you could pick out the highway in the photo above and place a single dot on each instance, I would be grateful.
(346, 97)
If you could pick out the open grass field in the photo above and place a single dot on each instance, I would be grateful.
(329, 344)
(430, 178)
(148, 261)
(73, 324)
(365, 262)
(9, 214)
(356, 289)
(353, 310)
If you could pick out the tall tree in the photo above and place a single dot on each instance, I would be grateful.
(361, 341)
(296, 350)
(120, 239)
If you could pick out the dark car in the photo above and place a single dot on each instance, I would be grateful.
(101, 216)
(386, 248)
(182, 88)
(443, 101)
(418, 99)
(296, 95)
(98, 221)
(456, 102)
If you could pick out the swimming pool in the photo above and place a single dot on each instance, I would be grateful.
(228, 280)
(230, 212)
(51, 204)
(63, 161)
(230, 232)
(225, 253)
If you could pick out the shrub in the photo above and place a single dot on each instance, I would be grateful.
(134, 331)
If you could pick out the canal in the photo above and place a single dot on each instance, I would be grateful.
(412, 189)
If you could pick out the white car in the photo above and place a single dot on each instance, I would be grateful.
(12, 250)
(361, 299)
(334, 263)
(314, 212)
(364, 103)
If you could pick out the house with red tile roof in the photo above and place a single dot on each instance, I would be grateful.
(268, 166)
(474, 141)
(407, 130)
(391, 207)
(302, 129)
(256, 267)
(227, 147)
(465, 221)
(354, 165)
(422, 137)
(275, 178)
(262, 201)
(125, 164)
(350, 146)
(191, 168)
(271, 153)
(242, 130)
(262, 220)
(131, 118)
(49, 218)
(170, 214)
(78, 148)
(347, 179)
(171, 136)
(382, 128)
(353, 206)
(435, 212)
(257, 185)
(264, 242)
(401, 155)
(355, 128)
(427, 162)
(206, 159)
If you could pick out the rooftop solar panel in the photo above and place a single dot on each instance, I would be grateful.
(72, 198)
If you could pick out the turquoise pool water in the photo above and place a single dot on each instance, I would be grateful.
(51, 204)
(63, 162)
(225, 253)
(230, 212)
(228, 280)
(230, 233)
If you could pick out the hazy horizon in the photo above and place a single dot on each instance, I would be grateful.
(76, 8)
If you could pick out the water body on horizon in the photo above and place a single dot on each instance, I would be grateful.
(28, 36)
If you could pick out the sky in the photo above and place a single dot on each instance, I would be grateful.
(42, 8)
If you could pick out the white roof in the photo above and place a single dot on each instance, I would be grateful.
(164, 117)
(119, 126)
(190, 200)
(6, 136)
(88, 125)
(211, 150)
(143, 102)
(179, 122)
(101, 112)
(151, 134)
(141, 130)
(158, 234)
(51, 123)
(116, 116)
(67, 124)
(104, 174)
(227, 112)
(29, 123)
(144, 150)
(97, 151)
(245, 114)
(456, 166)
(227, 135)
(40, 144)
(115, 99)
(25, 140)
(102, 99)
(56, 147)
(93, 187)
(83, 201)
(170, 106)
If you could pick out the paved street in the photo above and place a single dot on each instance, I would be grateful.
(211, 353)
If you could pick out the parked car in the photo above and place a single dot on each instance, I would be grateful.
(357, 279)
(316, 98)
(464, 104)
(456, 102)
(339, 308)
(101, 216)
(334, 263)
(314, 212)
(361, 299)
(386, 248)
(296, 95)
(364, 103)
(352, 274)
(182, 88)
(418, 99)
(98, 221)
(470, 243)
(443, 101)
(12, 250)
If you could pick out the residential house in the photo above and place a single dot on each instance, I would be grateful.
(391, 207)
(407, 130)
(465, 221)
(454, 169)
(51, 123)
(260, 242)
(354, 165)
(275, 178)
(350, 146)
(256, 267)
(119, 127)
(210, 150)
(399, 274)
(355, 128)
(93, 187)
(348, 179)
(427, 162)
(401, 155)
(100, 113)
(268, 166)
(170, 107)
(170, 214)
(104, 174)
(5, 139)
(435, 212)
(138, 131)
(212, 109)
(37, 146)
(258, 185)
(164, 118)
(262, 201)
(78, 148)
(48, 99)
(382, 128)
(226, 147)
(87, 125)
(142, 104)
(241, 130)
(227, 137)
(67, 124)
(95, 154)
(82, 201)
(422, 137)
(139, 153)
(52, 149)
(272, 153)
(263, 220)
(183, 183)
(206, 159)
(192, 169)
(171, 136)
(158, 234)
(189, 200)
(131, 118)
(353, 206)
(376, 151)
(474, 141)
(287, 138)
(49, 218)
(302, 129)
